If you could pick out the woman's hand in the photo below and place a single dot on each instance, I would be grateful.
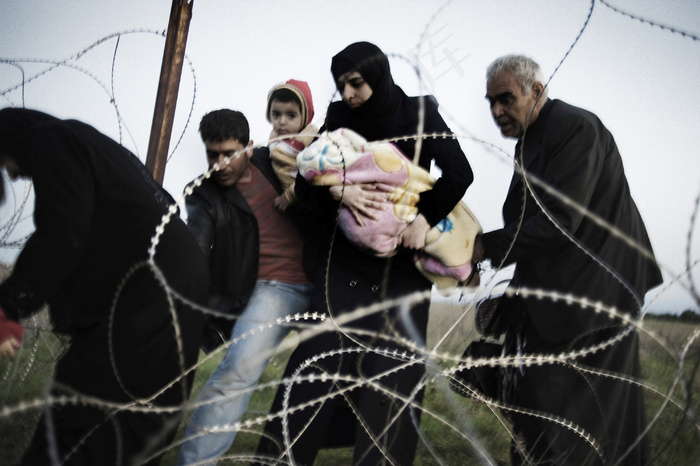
(363, 200)
(8, 348)
(413, 237)
(11, 334)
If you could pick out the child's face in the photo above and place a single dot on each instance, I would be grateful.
(285, 117)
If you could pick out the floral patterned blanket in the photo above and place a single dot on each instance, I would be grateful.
(343, 156)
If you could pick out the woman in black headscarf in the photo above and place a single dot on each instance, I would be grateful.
(383, 419)
(131, 336)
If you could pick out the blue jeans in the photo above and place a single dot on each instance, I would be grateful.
(225, 397)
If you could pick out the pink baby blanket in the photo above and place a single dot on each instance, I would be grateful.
(343, 156)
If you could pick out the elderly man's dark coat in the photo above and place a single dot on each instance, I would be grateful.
(572, 227)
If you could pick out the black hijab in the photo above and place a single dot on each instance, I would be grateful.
(15, 124)
(373, 119)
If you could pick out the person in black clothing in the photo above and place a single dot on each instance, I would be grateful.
(379, 415)
(571, 227)
(118, 295)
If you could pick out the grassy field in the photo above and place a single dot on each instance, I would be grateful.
(478, 432)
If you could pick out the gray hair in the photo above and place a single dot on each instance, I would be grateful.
(526, 71)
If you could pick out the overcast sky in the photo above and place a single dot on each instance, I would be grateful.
(641, 80)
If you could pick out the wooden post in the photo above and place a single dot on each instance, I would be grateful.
(166, 99)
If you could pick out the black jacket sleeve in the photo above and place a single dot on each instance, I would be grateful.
(571, 160)
(456, 175)
(200, 220)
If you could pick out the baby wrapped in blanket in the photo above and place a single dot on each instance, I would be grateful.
(343, 156)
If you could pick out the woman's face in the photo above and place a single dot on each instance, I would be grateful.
(354, 88)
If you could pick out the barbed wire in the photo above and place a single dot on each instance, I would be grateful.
(109, 90)
(651, 22)
(441, 365)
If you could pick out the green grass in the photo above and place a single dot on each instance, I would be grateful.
(455, 431)
(23, 381)
(675, 439)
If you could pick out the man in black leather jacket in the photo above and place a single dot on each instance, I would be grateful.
(256, 263)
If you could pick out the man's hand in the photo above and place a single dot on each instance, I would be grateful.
(363, 200)
(413, 237)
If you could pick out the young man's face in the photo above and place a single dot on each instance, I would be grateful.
(285, 117)
(237, 167)
(511, 109)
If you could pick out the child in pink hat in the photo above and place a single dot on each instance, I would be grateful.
(290, 109)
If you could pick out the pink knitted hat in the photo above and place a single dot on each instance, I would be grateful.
(303, 92)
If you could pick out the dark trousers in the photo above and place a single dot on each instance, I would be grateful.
(373, 411)
(590, 418)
